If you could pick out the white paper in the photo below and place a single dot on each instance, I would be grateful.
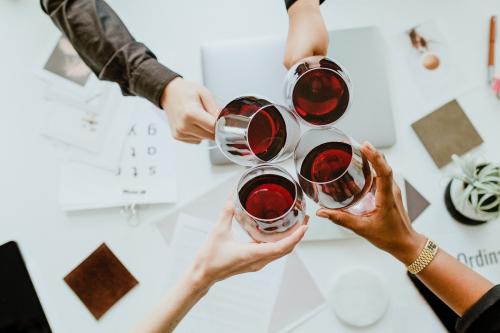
(433, 67)
(80, 124)
(114, 134)
(242, 303)
(476, 248)
(146, 173)
(84, 113)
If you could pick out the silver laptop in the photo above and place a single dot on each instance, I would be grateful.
(255, 67)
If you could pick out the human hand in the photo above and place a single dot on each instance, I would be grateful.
(222, 256)
(191, 110)
(307, 35)
(388, 227)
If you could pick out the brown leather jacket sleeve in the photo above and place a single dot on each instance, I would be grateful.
(107, 47)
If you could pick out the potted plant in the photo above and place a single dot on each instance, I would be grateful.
(473, 196)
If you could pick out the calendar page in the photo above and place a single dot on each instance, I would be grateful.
(146, 174)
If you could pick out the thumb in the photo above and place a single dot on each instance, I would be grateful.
(226, 219)
(341, 218)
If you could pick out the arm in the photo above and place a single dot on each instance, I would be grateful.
(107, 47)
(389, 228)
(219, 258)
(307, 35)
(175, 304)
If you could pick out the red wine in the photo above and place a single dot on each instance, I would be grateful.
(266, 129)
(327, 162)
(267, 196)
(320, 96)
(267, 133)
(328, 165)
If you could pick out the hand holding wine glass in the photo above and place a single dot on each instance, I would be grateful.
(388, 227)
(191, 110)
(223, 256)
(220, 257)
(307, 35)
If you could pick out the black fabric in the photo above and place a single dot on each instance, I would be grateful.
(484, 316)
(107, 47)
(446, 315)
(20, 308)
(289, 3)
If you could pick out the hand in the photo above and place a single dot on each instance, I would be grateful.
(222, 256)
(307, 35)
(388, 227)
(191, 110)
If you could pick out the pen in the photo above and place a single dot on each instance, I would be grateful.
(491, 53)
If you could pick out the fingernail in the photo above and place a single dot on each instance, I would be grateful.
(370, 146)
(321, 213)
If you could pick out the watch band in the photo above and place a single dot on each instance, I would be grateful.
(424, 258)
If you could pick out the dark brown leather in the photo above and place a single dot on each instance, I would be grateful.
(100, 281)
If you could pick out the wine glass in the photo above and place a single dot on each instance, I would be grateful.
(251, 130)
(269, 204)
(333, 171)
(318, 90)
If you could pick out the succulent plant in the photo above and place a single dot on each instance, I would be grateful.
(481, 183)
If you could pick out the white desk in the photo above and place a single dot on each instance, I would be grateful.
(53, 243)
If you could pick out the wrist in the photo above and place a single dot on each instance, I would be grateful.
(167, 91)
(199, 277)
(409, 249)
(303, 7)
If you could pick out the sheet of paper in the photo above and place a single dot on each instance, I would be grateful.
(242, 303)
(476, 247)
(425, 52)
(80, 124)
(85, 114)
(146, 173)
(110, 148)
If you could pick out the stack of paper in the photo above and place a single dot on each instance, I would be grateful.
(119, 149)
(145, 174)
(242, 303)
(84, 114)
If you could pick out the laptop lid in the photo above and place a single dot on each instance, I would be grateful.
(255, 67)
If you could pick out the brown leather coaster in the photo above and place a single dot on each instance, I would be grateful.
(100, 281)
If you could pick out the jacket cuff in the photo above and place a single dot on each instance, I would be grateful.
(150, 79)
(289, 3)
(490, 299)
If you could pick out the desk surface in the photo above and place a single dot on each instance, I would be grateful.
(54, 242)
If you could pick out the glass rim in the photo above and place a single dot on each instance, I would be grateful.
(347, 80)
(290, 178)
(299, 174)
(269, 104)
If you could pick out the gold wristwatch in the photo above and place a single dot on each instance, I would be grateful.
(424, 258)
